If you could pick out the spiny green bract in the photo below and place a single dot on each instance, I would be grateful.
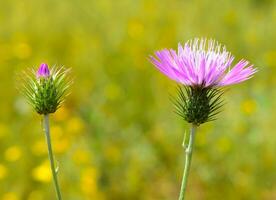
(46, 94)
(198, 105)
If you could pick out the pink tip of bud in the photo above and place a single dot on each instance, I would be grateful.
(43, 71)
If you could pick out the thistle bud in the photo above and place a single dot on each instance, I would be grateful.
(43, 71)
(46, 89)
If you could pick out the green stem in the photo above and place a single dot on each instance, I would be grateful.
(188, 159)
(51, 157)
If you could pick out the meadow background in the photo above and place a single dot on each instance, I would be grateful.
(117, 138)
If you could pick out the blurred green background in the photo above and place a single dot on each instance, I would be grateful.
(117, 138)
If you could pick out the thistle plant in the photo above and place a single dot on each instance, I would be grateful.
(202, 68)
(45, 90)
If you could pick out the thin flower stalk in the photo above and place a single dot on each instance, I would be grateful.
(54, 170)
(188, 161)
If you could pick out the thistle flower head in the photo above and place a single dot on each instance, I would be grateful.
(46, 89)
(202, 66)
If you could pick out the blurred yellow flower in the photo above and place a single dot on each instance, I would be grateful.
(56, 132)
(112, 153)
(248, 106)
(13, 153)
(242, 180)
(39, 147)
(81, 157)
(3, 171)
(22, 50)
(89, 181)
(61, 114)
(75, 126)
(61, 146)
(42, 172)
(10, 196)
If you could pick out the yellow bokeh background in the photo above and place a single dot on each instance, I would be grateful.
(116, 137)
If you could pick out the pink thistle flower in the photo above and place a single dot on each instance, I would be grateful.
(201, 62)
(202, 67)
